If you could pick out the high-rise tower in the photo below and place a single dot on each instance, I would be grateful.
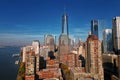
(49, 41)
(94, 57)
(65, 24)
(64, 39)
(94, 28)
(116, 34)
(107, 41)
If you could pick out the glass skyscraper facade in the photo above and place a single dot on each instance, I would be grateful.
(94, 28)
(116, 34)
(65, 24)
(107, 41)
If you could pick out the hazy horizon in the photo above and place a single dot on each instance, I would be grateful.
(22, 21)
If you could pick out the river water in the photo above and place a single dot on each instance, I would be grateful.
(8, 68)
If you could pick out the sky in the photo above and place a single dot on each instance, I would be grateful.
(22, 21)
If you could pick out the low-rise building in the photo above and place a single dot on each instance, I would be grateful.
(69, 59)
(30, 77)
(49, 73)
(78, 73)
(111, 66)
(52, 64)
(52, 79)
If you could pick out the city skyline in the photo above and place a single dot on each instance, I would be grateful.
(23, 21)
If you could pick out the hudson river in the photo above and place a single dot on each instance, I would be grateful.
(8, 68)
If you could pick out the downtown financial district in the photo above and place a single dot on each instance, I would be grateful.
(90, 60)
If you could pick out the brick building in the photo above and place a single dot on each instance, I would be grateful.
(49, 73)
(30, 77)
(94, 57)
(30, 63)
(52, 64)
(78, 73)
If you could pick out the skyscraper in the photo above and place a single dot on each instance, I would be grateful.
(65, 24)
(30, 63)
(36, 46)
(64, 39)
(116, 34)
(63, 44)
(49, 41)
(94, 57)
(94, 28)
(107, 41)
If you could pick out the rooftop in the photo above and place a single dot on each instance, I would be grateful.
(78, 70)
(92, 37)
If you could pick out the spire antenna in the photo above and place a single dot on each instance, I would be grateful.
(64, 9)
(65, 23)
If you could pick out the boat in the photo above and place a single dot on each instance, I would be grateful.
(16, 62)
(15, 55)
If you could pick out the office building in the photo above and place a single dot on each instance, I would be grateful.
(36, 46)
(64, 39)
(65, 24)
(44, 52)
(116, 34)
(107, 41)
(63, 44)
(94, 28)
(49, 41)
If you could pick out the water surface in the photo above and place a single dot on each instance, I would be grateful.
(8, 68)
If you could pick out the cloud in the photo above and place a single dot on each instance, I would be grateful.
(6, 35)
(81, 32)
(18, 39)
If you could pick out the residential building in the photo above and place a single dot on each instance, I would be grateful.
(52, 79)
(24, 51)
(78, 73)
(119, 66)
(37, 61)
(111, 66)
(30, 63)
(36, 48)
(30, 77)
(94, 57)
(49, 73)
(52, 64)
(23, 54)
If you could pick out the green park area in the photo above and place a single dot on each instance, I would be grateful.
(21, 71)
(65, 72)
